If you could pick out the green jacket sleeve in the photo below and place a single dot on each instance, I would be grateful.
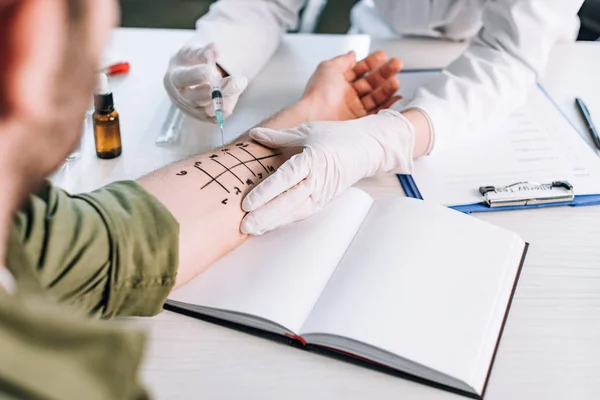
(48, 352)
(112, 252)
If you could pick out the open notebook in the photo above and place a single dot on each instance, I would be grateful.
(416, 287)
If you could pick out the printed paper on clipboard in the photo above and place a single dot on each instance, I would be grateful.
(537, 143)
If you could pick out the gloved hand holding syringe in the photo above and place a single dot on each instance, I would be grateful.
(217, 99)
(196, 86)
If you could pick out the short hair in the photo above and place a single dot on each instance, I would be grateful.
(76, 10)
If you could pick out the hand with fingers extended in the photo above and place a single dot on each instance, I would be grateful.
(188, 82)
(336, 155)
(343, 89)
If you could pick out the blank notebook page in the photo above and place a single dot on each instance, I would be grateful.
(279, 276)
(426, 283)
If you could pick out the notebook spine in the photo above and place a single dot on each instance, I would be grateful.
(296, 337)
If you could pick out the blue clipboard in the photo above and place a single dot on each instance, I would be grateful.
(411, 190)
(410, 187)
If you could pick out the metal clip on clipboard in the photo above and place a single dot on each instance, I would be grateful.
(528, 193)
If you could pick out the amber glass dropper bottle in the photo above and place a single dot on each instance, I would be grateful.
(107, 131)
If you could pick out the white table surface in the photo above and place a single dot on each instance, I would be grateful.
(551, 343)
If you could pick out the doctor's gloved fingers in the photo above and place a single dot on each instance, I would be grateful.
(378, 77)
(293, 205)
(291, 173)
(229, 104)
(182, 103)
(190, 76)
(370, 63)
(381, 94)
(231, 89)
(197, 54)
(199, 96)
(273, 138)
(233, 86)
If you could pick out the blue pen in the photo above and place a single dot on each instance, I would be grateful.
(585, 113)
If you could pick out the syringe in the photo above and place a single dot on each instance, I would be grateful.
(217, 99)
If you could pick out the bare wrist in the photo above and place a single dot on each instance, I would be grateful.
(304, 109)
(423, 131)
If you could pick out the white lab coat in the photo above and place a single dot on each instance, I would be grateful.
(510, 41)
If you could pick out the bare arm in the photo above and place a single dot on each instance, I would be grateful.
(204, 193)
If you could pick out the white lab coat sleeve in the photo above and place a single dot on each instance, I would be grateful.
(247, 32)
(499, 68)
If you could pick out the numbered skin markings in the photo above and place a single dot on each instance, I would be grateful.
(260, 163)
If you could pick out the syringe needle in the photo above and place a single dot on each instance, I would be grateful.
(219, 115)
(217, 100)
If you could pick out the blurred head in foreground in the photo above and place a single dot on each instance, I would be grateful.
(49, 52)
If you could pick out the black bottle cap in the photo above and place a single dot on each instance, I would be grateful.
(103, 103)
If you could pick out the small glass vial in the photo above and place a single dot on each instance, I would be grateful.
(107, 132)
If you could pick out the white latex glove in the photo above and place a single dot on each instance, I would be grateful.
(336, 155)
(188, 82)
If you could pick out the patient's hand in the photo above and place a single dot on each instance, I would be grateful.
(343, 89)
